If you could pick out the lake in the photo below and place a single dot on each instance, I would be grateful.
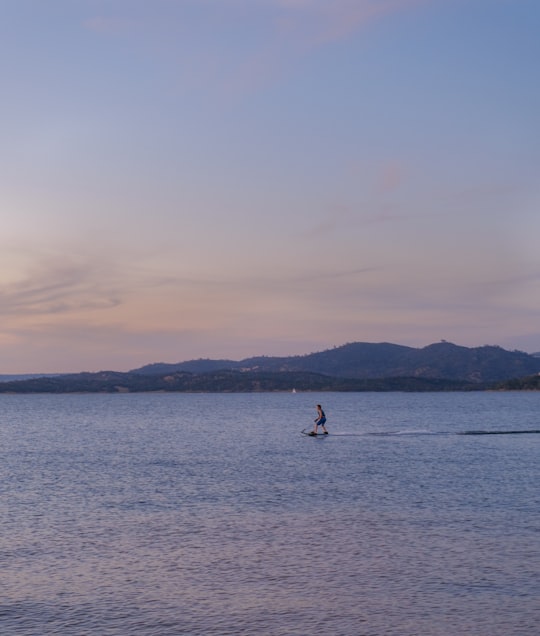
(211, 515)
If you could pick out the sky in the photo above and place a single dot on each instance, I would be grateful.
(186, 179)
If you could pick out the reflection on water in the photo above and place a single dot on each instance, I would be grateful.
(211, 515)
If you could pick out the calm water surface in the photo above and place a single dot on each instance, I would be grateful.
(174, 514)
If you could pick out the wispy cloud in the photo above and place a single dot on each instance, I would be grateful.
(111, 26)
(391, 177)
(319, 21)
(59, 288)
(252, 42)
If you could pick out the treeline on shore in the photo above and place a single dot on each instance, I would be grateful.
(230, 381)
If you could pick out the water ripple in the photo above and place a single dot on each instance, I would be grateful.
(121, 521)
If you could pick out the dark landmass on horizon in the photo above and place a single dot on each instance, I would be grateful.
(351, 367)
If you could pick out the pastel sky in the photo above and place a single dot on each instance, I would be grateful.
(223, 178)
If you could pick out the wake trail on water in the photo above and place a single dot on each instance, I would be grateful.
(417, 433)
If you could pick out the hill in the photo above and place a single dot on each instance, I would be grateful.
(362, 360)
(25, 376)
(351, 367)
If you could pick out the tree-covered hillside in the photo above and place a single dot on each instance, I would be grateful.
(442, 360)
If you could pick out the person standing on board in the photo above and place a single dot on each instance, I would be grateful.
(320, 420)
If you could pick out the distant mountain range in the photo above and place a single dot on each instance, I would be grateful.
(352, 367)
(363, 360)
